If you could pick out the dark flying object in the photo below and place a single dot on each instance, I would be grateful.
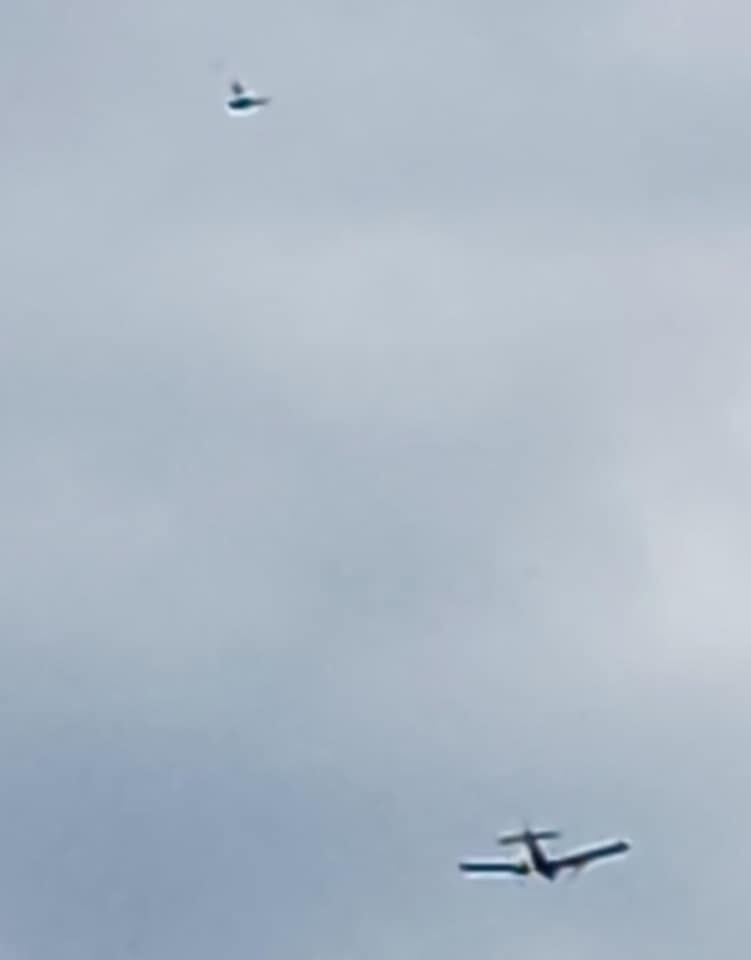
(243, 101)
(539, 861)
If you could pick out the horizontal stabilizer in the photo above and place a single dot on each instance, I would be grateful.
(509, 838)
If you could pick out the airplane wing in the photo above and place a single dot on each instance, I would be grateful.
(494, 866)
(580, 858)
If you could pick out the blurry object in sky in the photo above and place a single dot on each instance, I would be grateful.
(244, 101)
(541, 863)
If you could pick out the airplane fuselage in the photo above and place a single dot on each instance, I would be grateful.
(246, 102)
(540, 862)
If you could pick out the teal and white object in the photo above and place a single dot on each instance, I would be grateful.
(244, 102)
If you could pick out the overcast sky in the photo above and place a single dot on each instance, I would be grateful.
(376, 473)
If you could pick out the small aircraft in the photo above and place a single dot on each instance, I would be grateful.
(244, 101)
(539, 861)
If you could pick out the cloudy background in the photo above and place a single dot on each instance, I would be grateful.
(375, 474)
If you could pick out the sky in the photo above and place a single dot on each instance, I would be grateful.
(375, 476)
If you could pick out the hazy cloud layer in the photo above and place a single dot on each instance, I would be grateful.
(376, 474)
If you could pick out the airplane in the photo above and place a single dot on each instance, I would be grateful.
(539, 861)
(244, 101)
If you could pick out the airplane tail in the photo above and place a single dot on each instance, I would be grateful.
(506, 839)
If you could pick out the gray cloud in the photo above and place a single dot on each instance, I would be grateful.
(375, 474)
